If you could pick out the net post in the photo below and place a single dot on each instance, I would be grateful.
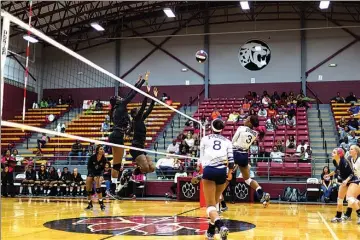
(202, 196)
(5, 34)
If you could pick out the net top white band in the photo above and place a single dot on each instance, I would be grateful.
(47, 131)
(41, 35)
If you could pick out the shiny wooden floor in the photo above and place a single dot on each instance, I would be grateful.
(29, 219)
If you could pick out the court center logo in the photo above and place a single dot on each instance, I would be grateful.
(142, 225)
(254, 55)
(241, 191)
(188, 190)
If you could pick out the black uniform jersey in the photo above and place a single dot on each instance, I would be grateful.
(53, 176)
(107, 174)
(139, 124)
(30, 175)
(344, 170)
(120, 116)
(43, 176)
(65, 176)
(95, 167)
(78, 178)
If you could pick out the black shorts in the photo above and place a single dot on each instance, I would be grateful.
(117, 137)
(354, 178)
(95, 174)
(136, 153)
(218, 175)
(241, 158)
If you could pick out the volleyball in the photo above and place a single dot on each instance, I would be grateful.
(201, 56)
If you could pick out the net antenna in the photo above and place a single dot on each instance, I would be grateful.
(54, 43)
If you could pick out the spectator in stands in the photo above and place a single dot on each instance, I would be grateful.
(249, 96)
(252, 112)
(60, 127)
(344, 133)
(51, 103)
(233, 117)
(290, 121)
(284, 96)
(270, 124)
(266, 101)
(354, 109)
(165, 167)
(280, 120)
(173, 148)
(254, 151)
(29, 181)
(60, 100)
(8, 160)
(326, 186)
(7, 182)
(42, 141)
(309, 151)
(18, 158)
(164, 97)
(107, 178)
(98, 105)
(35, 105)
(262, 112)
(301, 145)
(70, 101)
(78, 182)
(242, 115)
(275, 97)
(76, 150)
(291, 142)
(215, 114)
(352, 138)
(345, 144)
(351, 98)
(342, 123)
(271, 112)
(105, 127)
(291, 97)
(358, 142)
(291, 111)
(246, 106)
(303, 155)
(134, 182)
(338, 98)
(280, 145)
(353, 124)
(181, 173)
(44, 103)
(276, 155)
(189, 141)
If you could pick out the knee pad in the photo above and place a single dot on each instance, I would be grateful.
(248, 181)
(351, 200)
(210, 209)
(340, 201)
(98, 190)
(117, 167)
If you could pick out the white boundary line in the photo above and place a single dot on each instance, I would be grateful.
(47, 131)
(41, 35)
(333, 234)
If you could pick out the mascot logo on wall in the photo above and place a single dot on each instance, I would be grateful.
(254, 55)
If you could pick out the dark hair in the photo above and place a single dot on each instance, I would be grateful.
(254, 120)
(98, 148)
(218, 125)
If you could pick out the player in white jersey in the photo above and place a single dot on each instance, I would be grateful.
(216, 156)
(354, 188)
(242, 140)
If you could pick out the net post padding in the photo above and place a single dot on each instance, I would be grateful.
(202, 196)
(54, 43)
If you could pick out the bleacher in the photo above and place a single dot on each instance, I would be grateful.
(342, 110)
(33, 117)
(289, 167)
(88, 124)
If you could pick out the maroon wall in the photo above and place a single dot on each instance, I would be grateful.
(182, 93)
(13, 100)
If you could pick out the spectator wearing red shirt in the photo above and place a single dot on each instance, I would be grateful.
(9, 161)
(215, 114)
(271, 112)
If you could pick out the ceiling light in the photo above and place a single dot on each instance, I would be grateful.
(97, 27)
(258, 48)
(30, 39)
(169, 12)
(184, 70)
(324, 4)
(244, 5)
(332, 65)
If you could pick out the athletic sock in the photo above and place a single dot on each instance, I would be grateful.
(338, 215)
(348, 212)
(211, 228)
(260, 192)
(218, 223)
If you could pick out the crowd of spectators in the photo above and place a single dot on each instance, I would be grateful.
(50, 103)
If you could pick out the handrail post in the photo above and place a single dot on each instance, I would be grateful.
(164, 137)
(156, 145)
(172, 128)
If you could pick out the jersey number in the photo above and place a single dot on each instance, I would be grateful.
(249, 138)
(217, 145)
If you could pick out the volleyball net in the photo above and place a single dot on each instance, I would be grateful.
(62, 87)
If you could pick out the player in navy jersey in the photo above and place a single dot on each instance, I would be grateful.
(96, 165)
(242, 140)
(216, 155)
(121, 120)
(345, 174)
(139, 116)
